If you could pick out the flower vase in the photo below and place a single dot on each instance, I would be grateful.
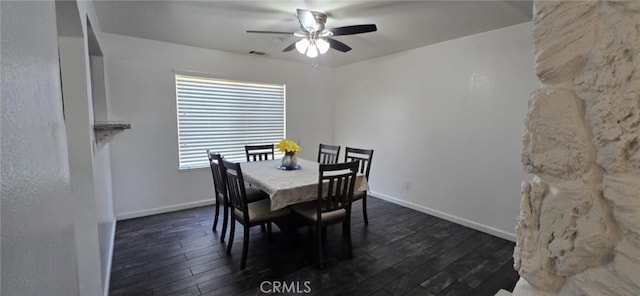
(289, 161)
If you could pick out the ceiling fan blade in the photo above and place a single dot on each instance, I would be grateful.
(337, 45)
(270, 32)
(357, 29)
(306, 19)
(290, 47)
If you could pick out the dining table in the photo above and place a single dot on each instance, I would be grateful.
(289, 187)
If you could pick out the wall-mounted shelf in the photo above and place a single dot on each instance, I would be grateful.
(104, 130)
(111, 125)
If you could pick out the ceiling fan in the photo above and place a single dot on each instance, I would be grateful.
(316, 39)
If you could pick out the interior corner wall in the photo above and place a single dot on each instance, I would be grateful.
(141, 87)
(446, 124)
(105, 214)
(79, 124)
(88, 164)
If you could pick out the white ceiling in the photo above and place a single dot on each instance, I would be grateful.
(221, 25)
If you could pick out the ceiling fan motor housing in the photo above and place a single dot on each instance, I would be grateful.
(321, 20)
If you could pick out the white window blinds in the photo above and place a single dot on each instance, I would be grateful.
(225, 116)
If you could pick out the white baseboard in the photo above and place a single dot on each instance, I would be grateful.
(471, 224)
(107, 278)
(448, 217)
(160, 210)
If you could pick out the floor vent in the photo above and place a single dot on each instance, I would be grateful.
(260, 53)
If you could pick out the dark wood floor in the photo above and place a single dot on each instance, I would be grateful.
(400, 252)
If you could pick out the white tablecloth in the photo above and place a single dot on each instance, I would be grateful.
(288, 187)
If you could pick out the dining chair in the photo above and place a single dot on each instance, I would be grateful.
(259, 152)
(247, 214)
(363, 157)
(328, 154)
(221, 193)
(333, 203)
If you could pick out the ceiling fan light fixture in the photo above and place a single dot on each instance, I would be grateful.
(323, 45)
(315, 38)
(312, 51)
(302, 45)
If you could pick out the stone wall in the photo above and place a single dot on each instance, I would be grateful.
(579, 228)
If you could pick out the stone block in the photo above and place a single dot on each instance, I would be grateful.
(623, 191)
(598, 281)
(561, 232)
(564, 34)
(626, 262)
(609, 83)
(556, 143)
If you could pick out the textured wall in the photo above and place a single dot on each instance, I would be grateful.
(579, 228)
(38, 246)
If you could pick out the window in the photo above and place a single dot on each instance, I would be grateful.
(225, 115)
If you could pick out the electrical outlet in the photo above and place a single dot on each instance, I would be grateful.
(407, 184)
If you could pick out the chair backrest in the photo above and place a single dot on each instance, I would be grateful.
(219, 183)
(335, 186)
(328, 153)
(259, 152)
(235, 187)
(363, 156)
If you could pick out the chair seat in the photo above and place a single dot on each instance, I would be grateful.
(261, 211)
(359, 195)
(309, 212)
(253, 195)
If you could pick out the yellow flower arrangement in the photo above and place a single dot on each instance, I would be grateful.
(289, 147)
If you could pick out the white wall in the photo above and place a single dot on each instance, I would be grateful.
(38, 242)
(88, 164)
(101, 158)
(105, 215)
(141, 87)
(451, 114)
(449, 118)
